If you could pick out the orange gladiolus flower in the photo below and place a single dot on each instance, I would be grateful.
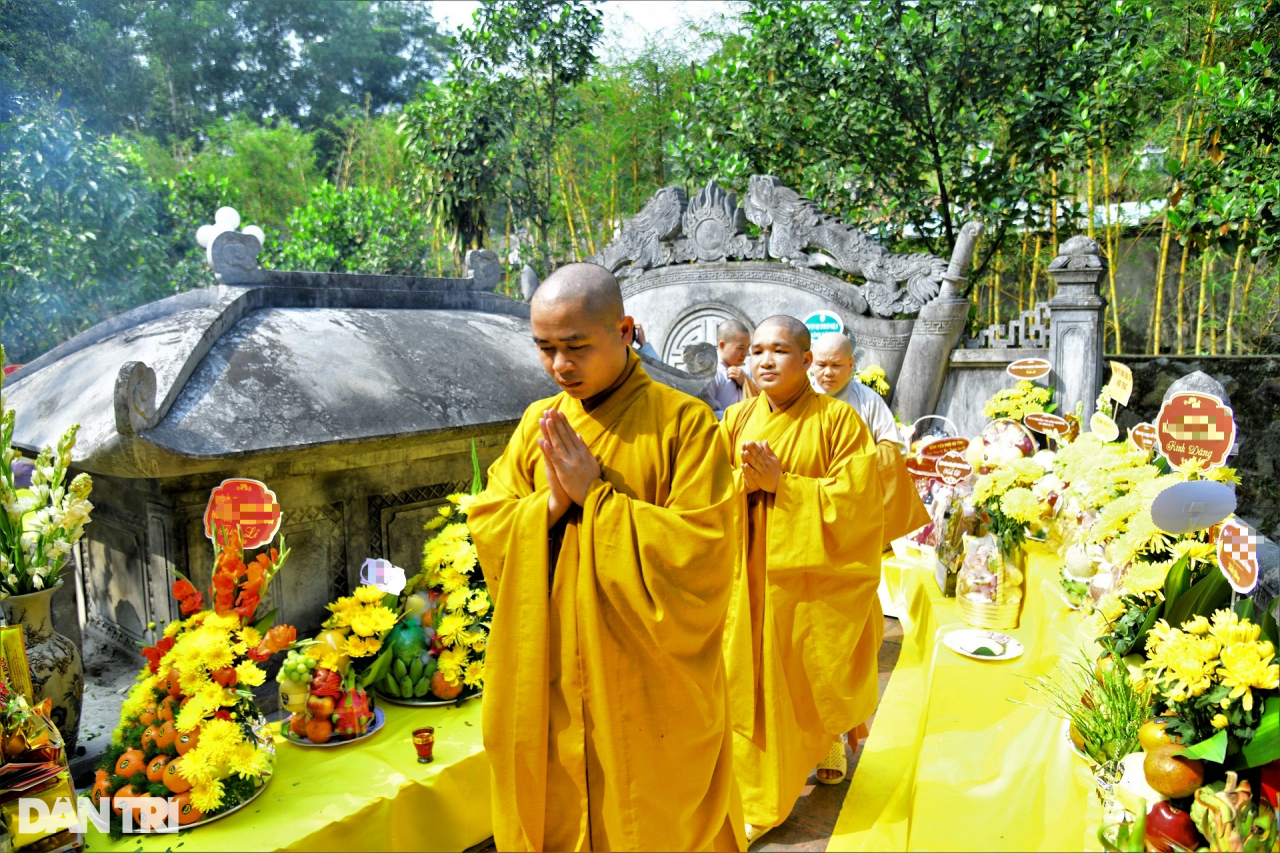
(277, 639)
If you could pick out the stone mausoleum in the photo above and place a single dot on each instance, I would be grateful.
(357, 398)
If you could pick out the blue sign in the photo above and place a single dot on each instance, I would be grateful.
(821, 323)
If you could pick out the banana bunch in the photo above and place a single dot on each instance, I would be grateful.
(409, 682)
(1231, 818)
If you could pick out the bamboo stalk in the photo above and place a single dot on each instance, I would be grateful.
(1035, 270)
(1182, 290)
(568, 212)
(1111, 250)
(613, 197)
(1244, 295)
(1022, 265)
(582, 208)
(1204, 281)
(1053, 213)
(1091, 196)
(1235, 278)
(995, 306)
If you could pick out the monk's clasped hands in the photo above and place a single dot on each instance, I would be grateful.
(761, 467)
(569, 465)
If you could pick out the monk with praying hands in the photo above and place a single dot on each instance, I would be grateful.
(602, 535)
(804, 623)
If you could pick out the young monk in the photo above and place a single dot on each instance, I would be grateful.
(832, 374)
(804, 592)
(731, 384)
(601, 536)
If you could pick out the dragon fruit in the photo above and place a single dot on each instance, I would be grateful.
(352, 715)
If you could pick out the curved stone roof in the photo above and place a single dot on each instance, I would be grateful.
(301, 360)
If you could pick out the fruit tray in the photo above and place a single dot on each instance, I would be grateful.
(426, 701)
(379, 720)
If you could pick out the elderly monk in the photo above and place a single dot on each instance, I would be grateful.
(832, 374)
(804, 623)
(601, 536)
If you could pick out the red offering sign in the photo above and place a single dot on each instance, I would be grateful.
(1043, 422)
(953, 468)
(1195, 427)
(922, 466)
(246, 504)
(940, 447)
(1238, 556)
(1143, 436)
(1029, 368)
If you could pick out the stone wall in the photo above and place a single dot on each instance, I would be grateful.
(1253, 383)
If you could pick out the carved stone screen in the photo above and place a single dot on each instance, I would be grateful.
(698, 326)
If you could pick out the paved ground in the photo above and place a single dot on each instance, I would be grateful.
(811, 823)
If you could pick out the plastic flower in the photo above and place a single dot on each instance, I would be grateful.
(1249, 666)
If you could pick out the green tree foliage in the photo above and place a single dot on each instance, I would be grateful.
(171, 67)
(496, 123)
(905, 117)
(360, 229)
(79, 233)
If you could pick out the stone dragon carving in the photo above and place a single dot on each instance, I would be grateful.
(795, 224)
(711, 227)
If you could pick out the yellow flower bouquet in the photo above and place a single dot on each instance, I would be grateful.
(1219, 678)
(1019, 401)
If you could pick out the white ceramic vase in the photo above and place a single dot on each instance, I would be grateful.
(57, 671)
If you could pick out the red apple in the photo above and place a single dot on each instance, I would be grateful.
(1170, 829)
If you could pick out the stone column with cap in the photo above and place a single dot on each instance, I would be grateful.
(1076, 324)
(935, 334)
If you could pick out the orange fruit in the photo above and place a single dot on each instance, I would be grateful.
(1171, 774)
(132, 761)
(298, 723)
(117, 802)
(319, 731)
(165, 735)
(187, 812)
(175, 688)
(149, 737)
(173, 778)
(148, 715)
(155, 768)
(169, 709)
(186, 741)
(443, 688)
(101, 787)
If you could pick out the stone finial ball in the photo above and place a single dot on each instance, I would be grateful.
(226, 219)
(255, 231)
(205, 235)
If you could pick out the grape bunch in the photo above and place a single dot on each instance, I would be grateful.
(297, 667)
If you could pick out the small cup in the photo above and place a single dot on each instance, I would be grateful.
(424, 741)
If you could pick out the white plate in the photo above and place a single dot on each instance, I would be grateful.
(424, 702)
(379, 720)
(967, 641)
(266, 778)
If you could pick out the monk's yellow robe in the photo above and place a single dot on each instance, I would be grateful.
(605, 708)
(903, 509)
(804, 596)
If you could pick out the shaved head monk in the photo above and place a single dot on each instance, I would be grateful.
(601, 535)
(832, 374)
(804, 623)
(731, 384)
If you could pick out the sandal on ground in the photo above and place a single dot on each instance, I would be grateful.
(754, 832)
(835, 760)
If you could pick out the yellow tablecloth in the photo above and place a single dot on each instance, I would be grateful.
(952, 763)
(373, 795)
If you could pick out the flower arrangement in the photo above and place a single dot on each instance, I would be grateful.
(1019, 401)
(874, 378)
(323, 682)
(1105, 707)
(457, 598)
(1006, 495)
(189, 729)
(1214, 675)
(40, 521)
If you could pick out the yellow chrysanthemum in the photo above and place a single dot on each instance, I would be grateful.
(250, 636)
(452, 627)
(369, 594)
(479, 603)
(1229, 630)
(358, 647)
(474, 674)
(372, 621)
(1219, 721)
(249, 674)
(452, 661)
(172, 629)
(1141, 578)
(206, 796)
(1196, 625)
(457, 600)
(1021, 505)
(1249, 666)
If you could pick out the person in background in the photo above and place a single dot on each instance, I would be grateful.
(731, 384)
(642, 345)
(832, 375)
(601, 534)
(804, 624)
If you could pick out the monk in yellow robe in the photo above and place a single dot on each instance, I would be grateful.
(804, 594)
(602, 535)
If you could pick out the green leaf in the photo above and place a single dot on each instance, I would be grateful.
(381, 664)
(1177, 582)
(1214, 749)
(1204, 596)
(477, 482)
(1265, 746)
(264, 624)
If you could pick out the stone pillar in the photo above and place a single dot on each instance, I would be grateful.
(935, 335)
(1077, 315)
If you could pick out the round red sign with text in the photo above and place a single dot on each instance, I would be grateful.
(1029, 368)
(1195, 428)
(953, 468)
(246, 504)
